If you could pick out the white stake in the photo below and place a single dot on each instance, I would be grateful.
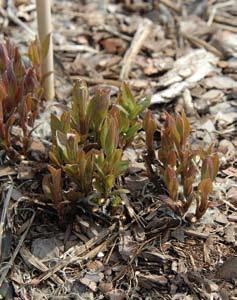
(44, 28)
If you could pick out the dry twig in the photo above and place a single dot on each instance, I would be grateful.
(29, 258)
(6, 202)
(11, 261)
(140, 36)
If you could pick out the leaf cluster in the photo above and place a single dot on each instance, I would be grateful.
(20, 94)
(187, 173)
(89, 139)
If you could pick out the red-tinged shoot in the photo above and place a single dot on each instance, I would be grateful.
(187, 173)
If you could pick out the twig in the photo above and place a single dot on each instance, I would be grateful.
(216, 7)
(223, 20)
(200, 43)
(70, 260)
(232, 218)
(11, 261)
(229, 204)
(225, 27)
(79, 253)
(97, 81)
(78, 250)
(131, 211)
(196, 234)
(12, 16)
(140, 36)
(75, 48)
(117, 33)
(29, 258)
(4, 213)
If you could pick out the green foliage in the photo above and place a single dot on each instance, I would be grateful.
(20, 94)
(88, 140)
(187, 173)
(127, 111)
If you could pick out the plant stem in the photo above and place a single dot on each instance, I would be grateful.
(45, 28)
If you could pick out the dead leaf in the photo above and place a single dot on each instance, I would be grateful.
(220, 82)
(227, 149)
(232, 193)
(114, 45)
(7, 171)
(149, 281)
(187, 70)
(230, 233)
(226, 42)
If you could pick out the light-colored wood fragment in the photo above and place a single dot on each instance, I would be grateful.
(45, 28)
(139, 38)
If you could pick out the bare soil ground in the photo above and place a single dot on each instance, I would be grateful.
(182, 53)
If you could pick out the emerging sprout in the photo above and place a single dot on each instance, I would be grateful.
(88, 141)
(180, 165)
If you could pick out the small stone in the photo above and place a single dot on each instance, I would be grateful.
(46, 248)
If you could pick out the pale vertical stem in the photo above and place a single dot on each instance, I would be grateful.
(44, 28)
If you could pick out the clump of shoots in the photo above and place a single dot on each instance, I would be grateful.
(187, 173)
(20, 94)
(89, 139)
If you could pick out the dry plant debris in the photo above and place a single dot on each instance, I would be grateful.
(183, 55)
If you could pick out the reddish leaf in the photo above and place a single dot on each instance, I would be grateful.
(150, 127)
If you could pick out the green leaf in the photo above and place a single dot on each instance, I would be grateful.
(140, 107)
(98, 108)
(45, 45)
(72, 148)
(183, 127)
(186, 123)
(104, 134)
(80, 101)
(53, 157)
(126, 99)
(109, 182)
(61, 145)
(62, 124)
(34, 53)
(109, 135)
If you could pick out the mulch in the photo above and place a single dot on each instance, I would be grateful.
(182, 53)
